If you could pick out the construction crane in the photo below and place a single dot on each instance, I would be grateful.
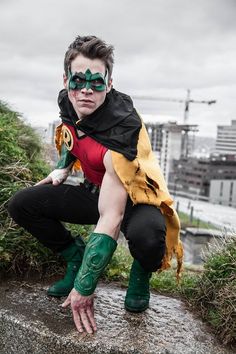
(186, 102)
(186, 126)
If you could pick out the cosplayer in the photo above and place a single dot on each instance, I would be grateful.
(123, 190)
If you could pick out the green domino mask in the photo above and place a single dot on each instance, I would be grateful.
(78, 81)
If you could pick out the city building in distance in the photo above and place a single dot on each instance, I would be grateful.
(211, 178)
(171, 141)
(226, 139)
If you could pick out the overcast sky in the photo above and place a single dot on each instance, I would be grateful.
(162, 47)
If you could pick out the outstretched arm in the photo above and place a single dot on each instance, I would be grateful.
(112, 202)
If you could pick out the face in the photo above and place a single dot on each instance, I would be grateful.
(87, 85)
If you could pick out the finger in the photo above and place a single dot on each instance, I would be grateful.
(44, 181)
(66, 302)
(76, 318)
(85, 321)
(90, 314)
(56, 182)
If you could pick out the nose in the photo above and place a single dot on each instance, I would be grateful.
(86, 90)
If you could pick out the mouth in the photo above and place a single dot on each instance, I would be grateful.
(86, 101)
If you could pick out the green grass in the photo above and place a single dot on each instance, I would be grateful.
(187, 222)
(214, 294)
(22, 165)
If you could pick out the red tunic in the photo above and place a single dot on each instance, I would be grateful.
(90, 154)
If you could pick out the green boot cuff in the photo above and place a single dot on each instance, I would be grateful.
(74, 251)
(98, 253)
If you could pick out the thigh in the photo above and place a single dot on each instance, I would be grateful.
(73, 204)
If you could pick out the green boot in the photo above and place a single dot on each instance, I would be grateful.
(73, 255)
(97, 255)
(138, 294)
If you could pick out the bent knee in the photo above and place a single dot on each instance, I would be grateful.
(149, 236)
(154, 244)
(18, 203)
(151, 249)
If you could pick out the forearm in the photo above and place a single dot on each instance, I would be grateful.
(110, 224)
(98, 253)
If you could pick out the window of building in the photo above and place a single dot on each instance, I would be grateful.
(231, 191)
(221, 188)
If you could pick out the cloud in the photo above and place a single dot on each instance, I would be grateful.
(162, 47)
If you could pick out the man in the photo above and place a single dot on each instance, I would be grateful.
(102, 134)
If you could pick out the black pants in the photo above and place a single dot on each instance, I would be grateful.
(40, 210)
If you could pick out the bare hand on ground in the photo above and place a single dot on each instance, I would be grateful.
(83, 311)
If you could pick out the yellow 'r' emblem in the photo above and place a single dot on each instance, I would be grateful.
(67, 138)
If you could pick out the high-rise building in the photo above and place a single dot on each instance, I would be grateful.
(226, 139)
(170, 141)
(51, 131)
(171, 147)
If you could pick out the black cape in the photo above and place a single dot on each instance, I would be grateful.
(115, 124)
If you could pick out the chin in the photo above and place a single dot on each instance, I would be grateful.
(85, 112)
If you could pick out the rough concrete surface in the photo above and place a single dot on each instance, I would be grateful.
(32, 323)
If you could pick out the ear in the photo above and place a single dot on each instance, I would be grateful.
(65, 81)
(109, 86)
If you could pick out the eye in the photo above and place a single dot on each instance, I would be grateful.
(79, 80)
(97, 82)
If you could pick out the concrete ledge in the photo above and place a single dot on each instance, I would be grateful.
(31, 322)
